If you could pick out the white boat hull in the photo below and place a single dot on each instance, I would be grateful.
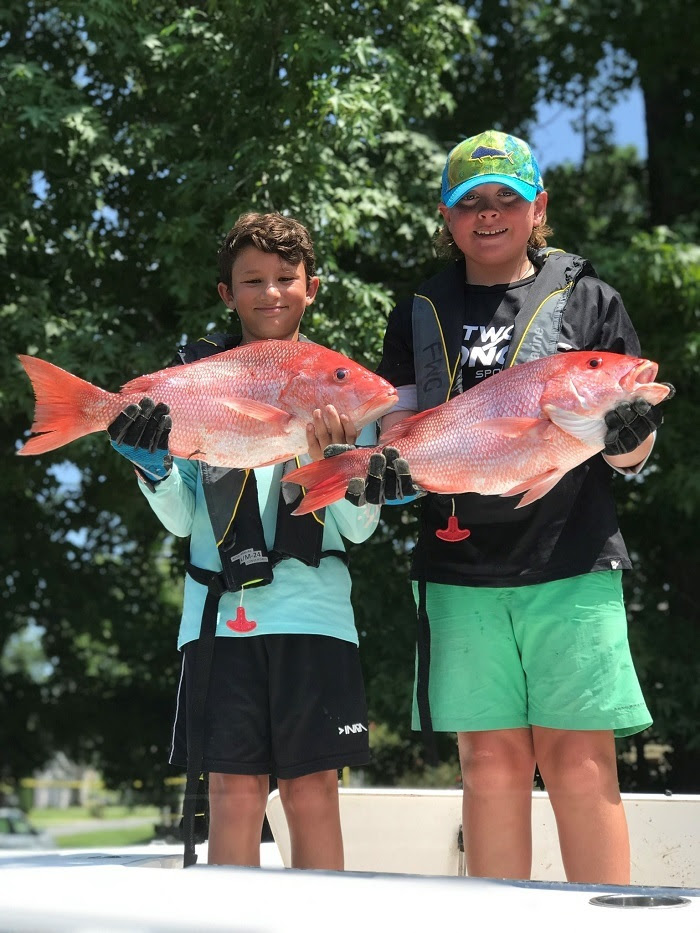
(416, 832)
(401, 848)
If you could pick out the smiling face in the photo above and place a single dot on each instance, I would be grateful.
(269, 294)
(491, 225)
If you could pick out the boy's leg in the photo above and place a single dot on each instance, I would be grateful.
(236, 811)
(319, 725)
(582, 690)
(579, 770)
(313, 816)
(497, 771)
(477, 689)
(237, 753)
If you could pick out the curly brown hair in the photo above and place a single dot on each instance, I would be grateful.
(271, 233)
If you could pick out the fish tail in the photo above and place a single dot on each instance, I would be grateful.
(326, 481)
(67, 407)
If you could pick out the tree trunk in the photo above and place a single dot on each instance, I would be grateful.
(671, 192)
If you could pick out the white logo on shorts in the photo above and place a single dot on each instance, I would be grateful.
(614, 564)
(356, 727)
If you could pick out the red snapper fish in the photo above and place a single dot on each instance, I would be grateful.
(518, 431)
(245, 408)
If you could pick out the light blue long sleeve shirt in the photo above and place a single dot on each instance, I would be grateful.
(300, 599)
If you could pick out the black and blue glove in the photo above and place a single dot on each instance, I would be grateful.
(141, 433)
(631, 423)
(388, 480)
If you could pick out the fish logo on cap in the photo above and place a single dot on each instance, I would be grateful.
(484, 152)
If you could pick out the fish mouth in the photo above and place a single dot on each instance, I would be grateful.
(642, 373)
(378, 405)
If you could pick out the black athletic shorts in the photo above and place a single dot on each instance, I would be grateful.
(286, 705)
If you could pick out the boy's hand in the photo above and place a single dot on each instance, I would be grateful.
(631, 423)
(388, 480)
(140, 433)
(328, 428)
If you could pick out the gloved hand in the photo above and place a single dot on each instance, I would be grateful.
(388, 480)
(140, 433)
(630, 423)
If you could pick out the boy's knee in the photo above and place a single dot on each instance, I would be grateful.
(242, 792)
(578, 766)
(496, 767)
(312, 792)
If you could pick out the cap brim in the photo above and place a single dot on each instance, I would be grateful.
(523, 188)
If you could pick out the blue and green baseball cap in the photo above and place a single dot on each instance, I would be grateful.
(490, 157)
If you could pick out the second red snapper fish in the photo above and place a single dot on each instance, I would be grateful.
(518, 431)
(245, 408)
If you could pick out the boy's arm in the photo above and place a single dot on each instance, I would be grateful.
(607, 326)
(631, 433)
(141, 434)
(356, 524)
(173, 499)
(329, 427)
(393, 417)
(397, 364)
(632, 425)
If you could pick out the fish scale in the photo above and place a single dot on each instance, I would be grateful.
(518, 431)
(244, 408)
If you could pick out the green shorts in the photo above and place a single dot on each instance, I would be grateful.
(551, 654)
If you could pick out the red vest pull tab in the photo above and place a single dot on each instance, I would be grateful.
(240, 623)
(453, 532)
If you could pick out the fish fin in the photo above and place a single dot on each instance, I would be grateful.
(536, 487)
(325, 481)
(260, 411)
(322, 495)
(511, 427)
(652, 392)
(65, 406)
(400, 428)
(589, 430)
(143, 385)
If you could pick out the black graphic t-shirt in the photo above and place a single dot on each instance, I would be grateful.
(574, 528)
(489, 317)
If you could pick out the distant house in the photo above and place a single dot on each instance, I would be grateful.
(61, 784)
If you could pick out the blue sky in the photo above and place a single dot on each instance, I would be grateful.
(555, 141)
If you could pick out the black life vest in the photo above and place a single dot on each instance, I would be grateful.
(438, 312)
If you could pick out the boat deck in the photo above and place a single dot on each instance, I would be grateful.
(93, 891)
(106, 892)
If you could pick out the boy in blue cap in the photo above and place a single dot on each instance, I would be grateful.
(522, 646)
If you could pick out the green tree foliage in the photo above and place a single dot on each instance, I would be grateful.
(600, 205)
(604, 46)
(659, 275)
(132, 136)
(583, 55)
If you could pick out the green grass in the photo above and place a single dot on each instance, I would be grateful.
(97, 839)
(51, 817)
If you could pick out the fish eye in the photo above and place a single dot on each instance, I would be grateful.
(595, 362)
(341, 374)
